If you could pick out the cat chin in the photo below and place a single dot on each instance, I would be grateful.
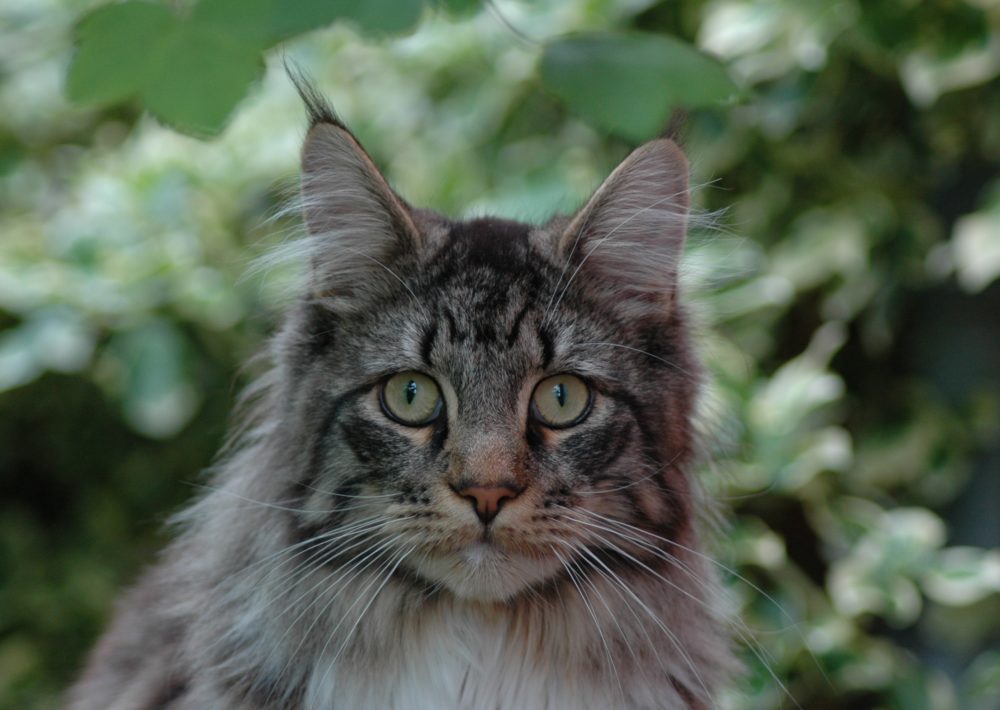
(481, 572)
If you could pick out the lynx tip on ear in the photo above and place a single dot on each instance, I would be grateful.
(318, 107)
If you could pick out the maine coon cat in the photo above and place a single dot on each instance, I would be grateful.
(466, 481)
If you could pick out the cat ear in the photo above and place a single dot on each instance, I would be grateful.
(629, 236)
(357, 223)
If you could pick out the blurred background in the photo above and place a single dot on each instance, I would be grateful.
(849, 291)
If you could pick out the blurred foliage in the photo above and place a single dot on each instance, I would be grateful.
(850, 295)
(191, 68)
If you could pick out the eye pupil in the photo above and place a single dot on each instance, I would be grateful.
(411, 398)
(561, 401)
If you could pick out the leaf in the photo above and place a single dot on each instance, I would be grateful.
(113, 56)
(460, 7)
(298, 16)
(975, 244)
(12, 151)
(266, 22)
(629, 83)
(52, 338)
(981, 682)
(382, 16)
(200, 76)
(250, 22)
(159, 397)
(371, 16)
(962, 575)
(191, 73)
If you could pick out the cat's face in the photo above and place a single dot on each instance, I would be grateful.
(482, 403)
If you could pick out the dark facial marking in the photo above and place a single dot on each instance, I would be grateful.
(454, 334)
(639, 416)
(596, 449)
(440, 434)
(317, 453)
(319, 328)
(379, 447)
(500, 244)
(427, 344)
(548, 350)
(515, 329)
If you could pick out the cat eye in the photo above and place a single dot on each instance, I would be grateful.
(561, 401)
(411, 398)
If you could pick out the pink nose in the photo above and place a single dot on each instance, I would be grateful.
(487, 500)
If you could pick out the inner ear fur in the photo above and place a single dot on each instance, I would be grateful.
(356, 221)
(630, 234)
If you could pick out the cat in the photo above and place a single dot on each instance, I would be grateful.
(466, 480)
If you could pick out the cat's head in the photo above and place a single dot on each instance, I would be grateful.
(478, 404)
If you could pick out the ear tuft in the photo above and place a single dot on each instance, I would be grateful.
(629, 236)
(318, 107)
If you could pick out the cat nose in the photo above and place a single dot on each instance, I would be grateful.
(487, 500)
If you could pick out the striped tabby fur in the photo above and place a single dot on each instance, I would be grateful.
(333, 565)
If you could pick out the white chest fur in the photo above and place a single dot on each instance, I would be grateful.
(462, 659)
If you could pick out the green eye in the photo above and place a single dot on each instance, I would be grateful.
(411, 398)
(561, 401)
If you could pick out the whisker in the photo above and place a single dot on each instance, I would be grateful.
(659, 469)
(671, 365)
(355, 529)
(621, 632)
(367, 606)
(343, 618)
(348, 495)
(639, 562)
(337, 586)
(751, 643)
(663, 627)
(593, 615)
(341, 539)
(702, 556)
(279, 506)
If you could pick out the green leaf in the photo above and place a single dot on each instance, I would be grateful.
(12, 151)
(382, 16)
(962, 575)
(191, 73)
(460, 7)
(629, 83)
(250, 22)
(298, 16)
(371, 16)
(159, 396)
(113, 56)
(266, 22)
(200, 76)
(981, 682)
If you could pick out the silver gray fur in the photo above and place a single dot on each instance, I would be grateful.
(332, 565)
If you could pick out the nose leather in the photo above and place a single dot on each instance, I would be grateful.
(487, 500)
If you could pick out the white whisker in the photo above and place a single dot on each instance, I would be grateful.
(597, 624)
